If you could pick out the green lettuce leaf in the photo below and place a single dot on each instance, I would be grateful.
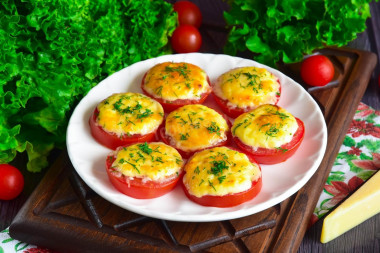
(53, 52)
(286, 30)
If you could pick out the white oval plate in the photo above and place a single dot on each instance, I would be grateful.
(279, 181)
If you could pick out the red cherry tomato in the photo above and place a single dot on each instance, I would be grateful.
(317, 70)
(138, 188)
(11, 182)
(273, 156)
(229, 200)
(113, 141)
(188, 13)
(186, 39)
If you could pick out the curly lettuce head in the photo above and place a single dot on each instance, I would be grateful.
(285, 30)
(53, 52)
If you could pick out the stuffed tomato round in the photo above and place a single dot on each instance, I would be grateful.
(243, 89)
(192, 128)
(176, 84)
(144, 170)
(221, 177)
(125, 118)
(269, 133)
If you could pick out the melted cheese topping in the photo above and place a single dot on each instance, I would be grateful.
(268, 126)
(171, 81)
(129, 113)
(219, 171)
(247, 87)
(154, 161)
(194, 127)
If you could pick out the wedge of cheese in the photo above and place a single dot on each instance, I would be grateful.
(360, 206)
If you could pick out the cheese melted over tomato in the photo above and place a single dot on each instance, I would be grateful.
(268, 126)
(193, 127)
(151, 161)
(247, 87)
(219, 171)
(171, 81)
(129, 113)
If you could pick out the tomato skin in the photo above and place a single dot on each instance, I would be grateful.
(136, 188)
(229, 200)
(170, 106)
(232, 111)
(188, 13)
(186, 39)
(11, 182)
(113, 141)
(317, 70)
(273, 156)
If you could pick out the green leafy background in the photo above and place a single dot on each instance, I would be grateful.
(53, 52)
(285, 30)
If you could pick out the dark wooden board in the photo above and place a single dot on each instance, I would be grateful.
(65, 215)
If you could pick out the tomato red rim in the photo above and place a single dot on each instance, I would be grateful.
(112, 140)
(137, 188)
(229, 200)
(273, 156)
(175, 104)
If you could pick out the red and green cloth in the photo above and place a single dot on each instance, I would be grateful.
(357, 160)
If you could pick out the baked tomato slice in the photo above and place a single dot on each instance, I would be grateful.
(186, 154)
(228, 200)
(277, 155)
(139, 187)
(112, 140)
(170, 106)
(234, 112)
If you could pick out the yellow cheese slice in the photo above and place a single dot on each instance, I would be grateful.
(247, 87)
(171, 81)
(360, 206)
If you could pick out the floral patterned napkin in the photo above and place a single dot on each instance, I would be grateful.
(357, 160)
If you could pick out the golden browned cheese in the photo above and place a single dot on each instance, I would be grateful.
(267, 126)
(219, 171)
(171, 81)
(151, 161)
(194, 127)
(129, 113)
(247, 87)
